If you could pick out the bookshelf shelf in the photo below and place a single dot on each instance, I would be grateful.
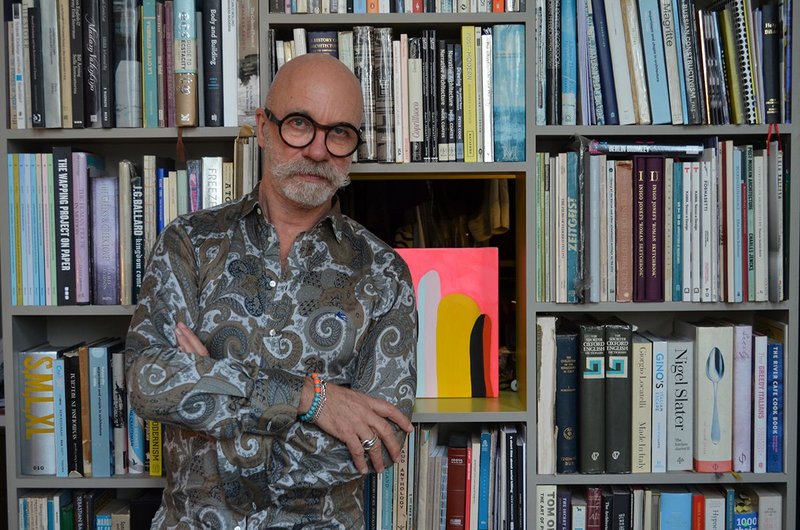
(659, 307)
(644, 132)
(686, 477)
(71, 311)
(509, 407)
(396, 20)
(128, 481)
(119, 134)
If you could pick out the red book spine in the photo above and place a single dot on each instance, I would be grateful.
(498, 6)
(456, 488)
(639, 224)
(654, 229)
(467, 487)
(698, 511)
(594, 509)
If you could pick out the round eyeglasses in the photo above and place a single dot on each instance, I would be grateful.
(298, 130)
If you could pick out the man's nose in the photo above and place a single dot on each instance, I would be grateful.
(317, 150)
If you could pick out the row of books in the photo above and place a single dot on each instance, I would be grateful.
(151, 63)
(395, 6)
(428, 98)
(453, 479)
(83, 509)
(739, 507)
(663, 62)
(707, 398)
(77, 422)
(80, 233)
(613, 226)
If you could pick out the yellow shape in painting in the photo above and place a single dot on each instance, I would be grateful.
(456, 317)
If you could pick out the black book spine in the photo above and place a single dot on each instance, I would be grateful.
(212, 62)
(451, 103)
(564, 507)
(553, 55)
(433, 94)
(426, 101)
(459, 103)
(76, 53)
(592, 399)
(567, 402)
(72, 376)
(619, 344)
(621, 515)
(91, 63)
(276, 6)
(65, 249)
(512, 463)
(36, 64)
(79, 510)
(773, 35)
(608, 509)
(106, 27)
(442, 115)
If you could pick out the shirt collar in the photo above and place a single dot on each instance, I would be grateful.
(334, 218)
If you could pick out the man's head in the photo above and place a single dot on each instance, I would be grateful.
(315, 92)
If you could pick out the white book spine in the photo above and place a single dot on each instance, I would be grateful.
(680, 404)
(397, 93)
(19, 76)
(638, 75)
(715, 510)
(487, 100)
(545, 506)
(641, 413)
(299, 35)
(405, 143)
(578, 516)
(478, 92)
(729, 178)
(742, 397)
(761, 226)
(659, 417)
(619, 62)
(696, 259)
(212, 181)
(602, 199)
(715, 225)
(688, 215)
(561, 216)
(545, 400)
(759, 403)
(230, 64)
(592, 239)
(611, 189)
(705, 230)
(51, 71)
(775, 208)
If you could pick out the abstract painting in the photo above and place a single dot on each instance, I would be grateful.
(457, 302)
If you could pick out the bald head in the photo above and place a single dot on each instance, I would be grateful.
(314, 76)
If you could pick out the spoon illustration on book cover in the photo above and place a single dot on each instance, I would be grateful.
(715, 369)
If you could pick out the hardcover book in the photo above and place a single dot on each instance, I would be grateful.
(591, 427)
(546, 369)
(680, 403)
(619, 345)
(566, 401)
(105, 241)
(641, 412)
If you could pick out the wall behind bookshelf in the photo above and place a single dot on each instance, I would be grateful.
(25, 326)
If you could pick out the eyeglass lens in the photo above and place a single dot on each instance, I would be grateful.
(298, 131)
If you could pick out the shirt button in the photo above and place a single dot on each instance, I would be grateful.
(237, 528)
(273, 283)
(272, 333)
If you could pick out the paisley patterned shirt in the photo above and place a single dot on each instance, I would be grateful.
(236, 454)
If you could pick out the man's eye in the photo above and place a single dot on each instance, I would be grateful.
(341, 131)
(299, 123)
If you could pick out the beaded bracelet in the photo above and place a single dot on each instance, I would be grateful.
(319, 398)
(322, 395)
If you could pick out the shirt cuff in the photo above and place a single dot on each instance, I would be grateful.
(274, 401)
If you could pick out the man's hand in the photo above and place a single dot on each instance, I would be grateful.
(353, 417)
(188, 341)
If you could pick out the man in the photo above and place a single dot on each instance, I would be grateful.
(242, 302)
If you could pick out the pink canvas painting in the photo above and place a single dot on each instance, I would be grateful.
(457, 290)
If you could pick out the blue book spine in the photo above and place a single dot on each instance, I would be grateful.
(675, 510)
(161, 174)
(676, 17)
(655, 63)
(359, 6)
(149, 64)
(484, 485)
(569, 63)
(775, 407)
(25, 227)
(51, 517)
(508, 104)
(100, 406)
(573, 229)
(13, 204)
(60, 417)
(610, 111)
(36, 232)
(745, 521)
(737, 229)
(677, 231)
(566, 402)
(730, 505)
(387, 508)
(136, 446)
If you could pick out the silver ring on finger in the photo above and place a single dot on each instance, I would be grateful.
(370, 443)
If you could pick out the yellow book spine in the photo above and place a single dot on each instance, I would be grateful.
(155, 448)
(468, 82)
(734, 79)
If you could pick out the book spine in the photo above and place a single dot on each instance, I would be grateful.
(553, 61)
(119, 413)
(107, 73)
(469, 94)
(641, 412)
(574, 235)
(653, 45)
(456, 484)
(594, 508)
(442, 142)
(451, 100)
(185, 56)
(72, 377)
(618, 394)
(696, 262)
(775, 207)
(624, 231)
(775, 402)
(105, 241)
(677, 231)
(546, 506)
(161, 72)
(156, 463)
(34, 39)
(592, 399)
(127, 78)
(100, 402)
(640, 221)
(654, 229)
(212, 62)
(415, 110)
(91, 64)
(680, 404)
(149, 65)
(36, 398)
(76, 55)
(567, 84)
(742, 397)
(80, 213)
(364, 70)
(566, 405)
(65, 249)
(384, 104)
(60, 418)
(248, 95)
(658, 427)
(508, 63)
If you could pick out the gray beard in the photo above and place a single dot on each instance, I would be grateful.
(308, 194)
